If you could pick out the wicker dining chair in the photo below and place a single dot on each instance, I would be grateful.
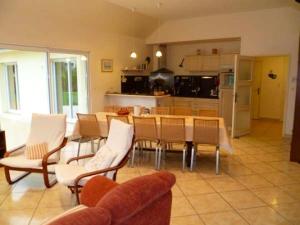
(160, 110)
(117, 117)
(208, 112)
(145, 130)
(182, 111)
(206, 132)
(89, 131)
(172, 131)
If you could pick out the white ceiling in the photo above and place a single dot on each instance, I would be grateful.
(175, 9)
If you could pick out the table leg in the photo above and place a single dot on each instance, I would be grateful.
(189, 146)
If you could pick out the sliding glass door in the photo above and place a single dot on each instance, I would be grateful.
(69, 84)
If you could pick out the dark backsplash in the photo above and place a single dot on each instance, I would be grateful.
(180, 86)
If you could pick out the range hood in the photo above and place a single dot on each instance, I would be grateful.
(162, 71)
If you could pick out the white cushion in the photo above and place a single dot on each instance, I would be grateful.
(21, 161)
(72, 210)
(101, 160)
(66, 173)
(50, 129)
(119, 140)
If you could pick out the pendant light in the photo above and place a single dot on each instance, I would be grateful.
(158, 52)
(133, 54)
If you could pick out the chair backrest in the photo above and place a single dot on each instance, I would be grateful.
(206, 131)
(172, 129)
(208, 112)
(50, 129)
(160, 110)
(120, 140)
(88, 125)
(182, 111)
(116, 117)
(145, 128)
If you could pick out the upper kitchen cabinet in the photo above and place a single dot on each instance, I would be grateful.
(227, 61)
(194, 63)
(210, 63)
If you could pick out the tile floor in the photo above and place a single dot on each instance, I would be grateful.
(257, 185)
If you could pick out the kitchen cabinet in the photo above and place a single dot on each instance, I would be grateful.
(196, 103)
(226, 106)
(194, 63)
(227, 61)
(210, 63)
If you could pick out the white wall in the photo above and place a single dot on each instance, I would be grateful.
(98, 28)
(264, 32)
(32, 80)
(177, 51)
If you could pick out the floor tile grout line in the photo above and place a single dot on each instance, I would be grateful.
(37, 206)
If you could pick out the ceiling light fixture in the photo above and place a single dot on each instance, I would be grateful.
(133, 54)
(158, 53)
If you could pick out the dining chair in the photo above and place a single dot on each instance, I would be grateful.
(205, 132)
(145, 130)
(172, 131)
(89, 131)
(160, 110)
(117, 117)
(208, 112)
(182, 111)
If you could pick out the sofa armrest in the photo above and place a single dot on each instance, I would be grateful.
(95, 189)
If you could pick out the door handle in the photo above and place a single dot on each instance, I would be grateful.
(235, 98)
(258, 91)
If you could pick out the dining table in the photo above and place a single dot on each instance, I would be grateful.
(224, 140)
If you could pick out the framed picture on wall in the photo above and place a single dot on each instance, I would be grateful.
(106, 65)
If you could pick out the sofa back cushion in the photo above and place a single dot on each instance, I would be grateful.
(136, 195)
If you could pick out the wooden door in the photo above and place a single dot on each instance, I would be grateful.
(256, 88)
(241, 124)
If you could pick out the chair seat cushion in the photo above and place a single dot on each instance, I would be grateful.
(66, 173)
(36, 151)
(21, 161)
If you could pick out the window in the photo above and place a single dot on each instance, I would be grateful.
(12, 86)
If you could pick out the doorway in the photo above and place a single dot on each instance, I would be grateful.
(269, 88)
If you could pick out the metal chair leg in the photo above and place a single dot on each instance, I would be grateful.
(133, 155)
(159, 158)
(156, 157)
(99, 142)
(92, 146)
(79, 145)
(183, 158)
(192, 158)
(217, 160)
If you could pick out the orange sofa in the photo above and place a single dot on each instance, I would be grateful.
(144, 200)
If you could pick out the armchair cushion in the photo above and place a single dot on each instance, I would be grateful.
(48, 129)
(20, 161)
(102, 159)
(119, 140)
(66, 173)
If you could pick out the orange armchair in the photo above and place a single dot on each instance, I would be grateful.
(144, 200)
